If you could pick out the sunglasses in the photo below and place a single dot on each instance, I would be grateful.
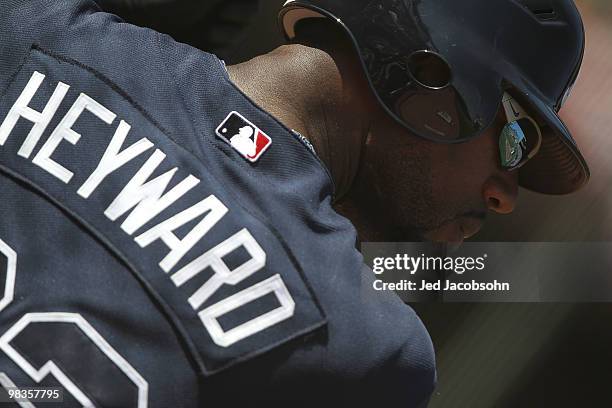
(520, 139)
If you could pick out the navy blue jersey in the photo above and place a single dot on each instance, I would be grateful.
(164, 242)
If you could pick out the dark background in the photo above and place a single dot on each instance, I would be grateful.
(488, 355)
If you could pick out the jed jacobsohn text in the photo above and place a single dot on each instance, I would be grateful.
(447, 285)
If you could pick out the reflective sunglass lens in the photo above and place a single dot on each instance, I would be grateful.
(532, 136)
(510, 148)
(517, 143)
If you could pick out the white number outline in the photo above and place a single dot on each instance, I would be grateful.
(51, 368)
(11, 268)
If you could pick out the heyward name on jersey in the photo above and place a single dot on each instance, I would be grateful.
(148, 198)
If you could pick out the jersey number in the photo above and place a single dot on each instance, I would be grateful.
(106, 379)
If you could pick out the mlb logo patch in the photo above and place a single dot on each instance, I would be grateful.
(246, 138)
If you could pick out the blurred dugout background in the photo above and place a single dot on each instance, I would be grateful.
(489, 355)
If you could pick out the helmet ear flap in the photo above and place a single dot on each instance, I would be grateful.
(444, 121)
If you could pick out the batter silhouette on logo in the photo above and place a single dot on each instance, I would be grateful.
(246, 138)
(244, 141)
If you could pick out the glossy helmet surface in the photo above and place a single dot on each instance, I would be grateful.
(440, 68)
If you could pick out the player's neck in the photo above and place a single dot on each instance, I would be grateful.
(315, 93)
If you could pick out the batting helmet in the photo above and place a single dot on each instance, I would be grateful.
(440, 68)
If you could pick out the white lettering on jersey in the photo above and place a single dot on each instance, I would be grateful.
(147, 196)
(147, 199)
(40, 119)
(214, 209)
(222, 274)
(210, 315)
(51, 368)
(113, 159)
(64, 131)
(11, 274)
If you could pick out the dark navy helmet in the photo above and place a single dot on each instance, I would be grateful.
(441, 67)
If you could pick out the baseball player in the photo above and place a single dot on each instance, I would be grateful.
(178, 233)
